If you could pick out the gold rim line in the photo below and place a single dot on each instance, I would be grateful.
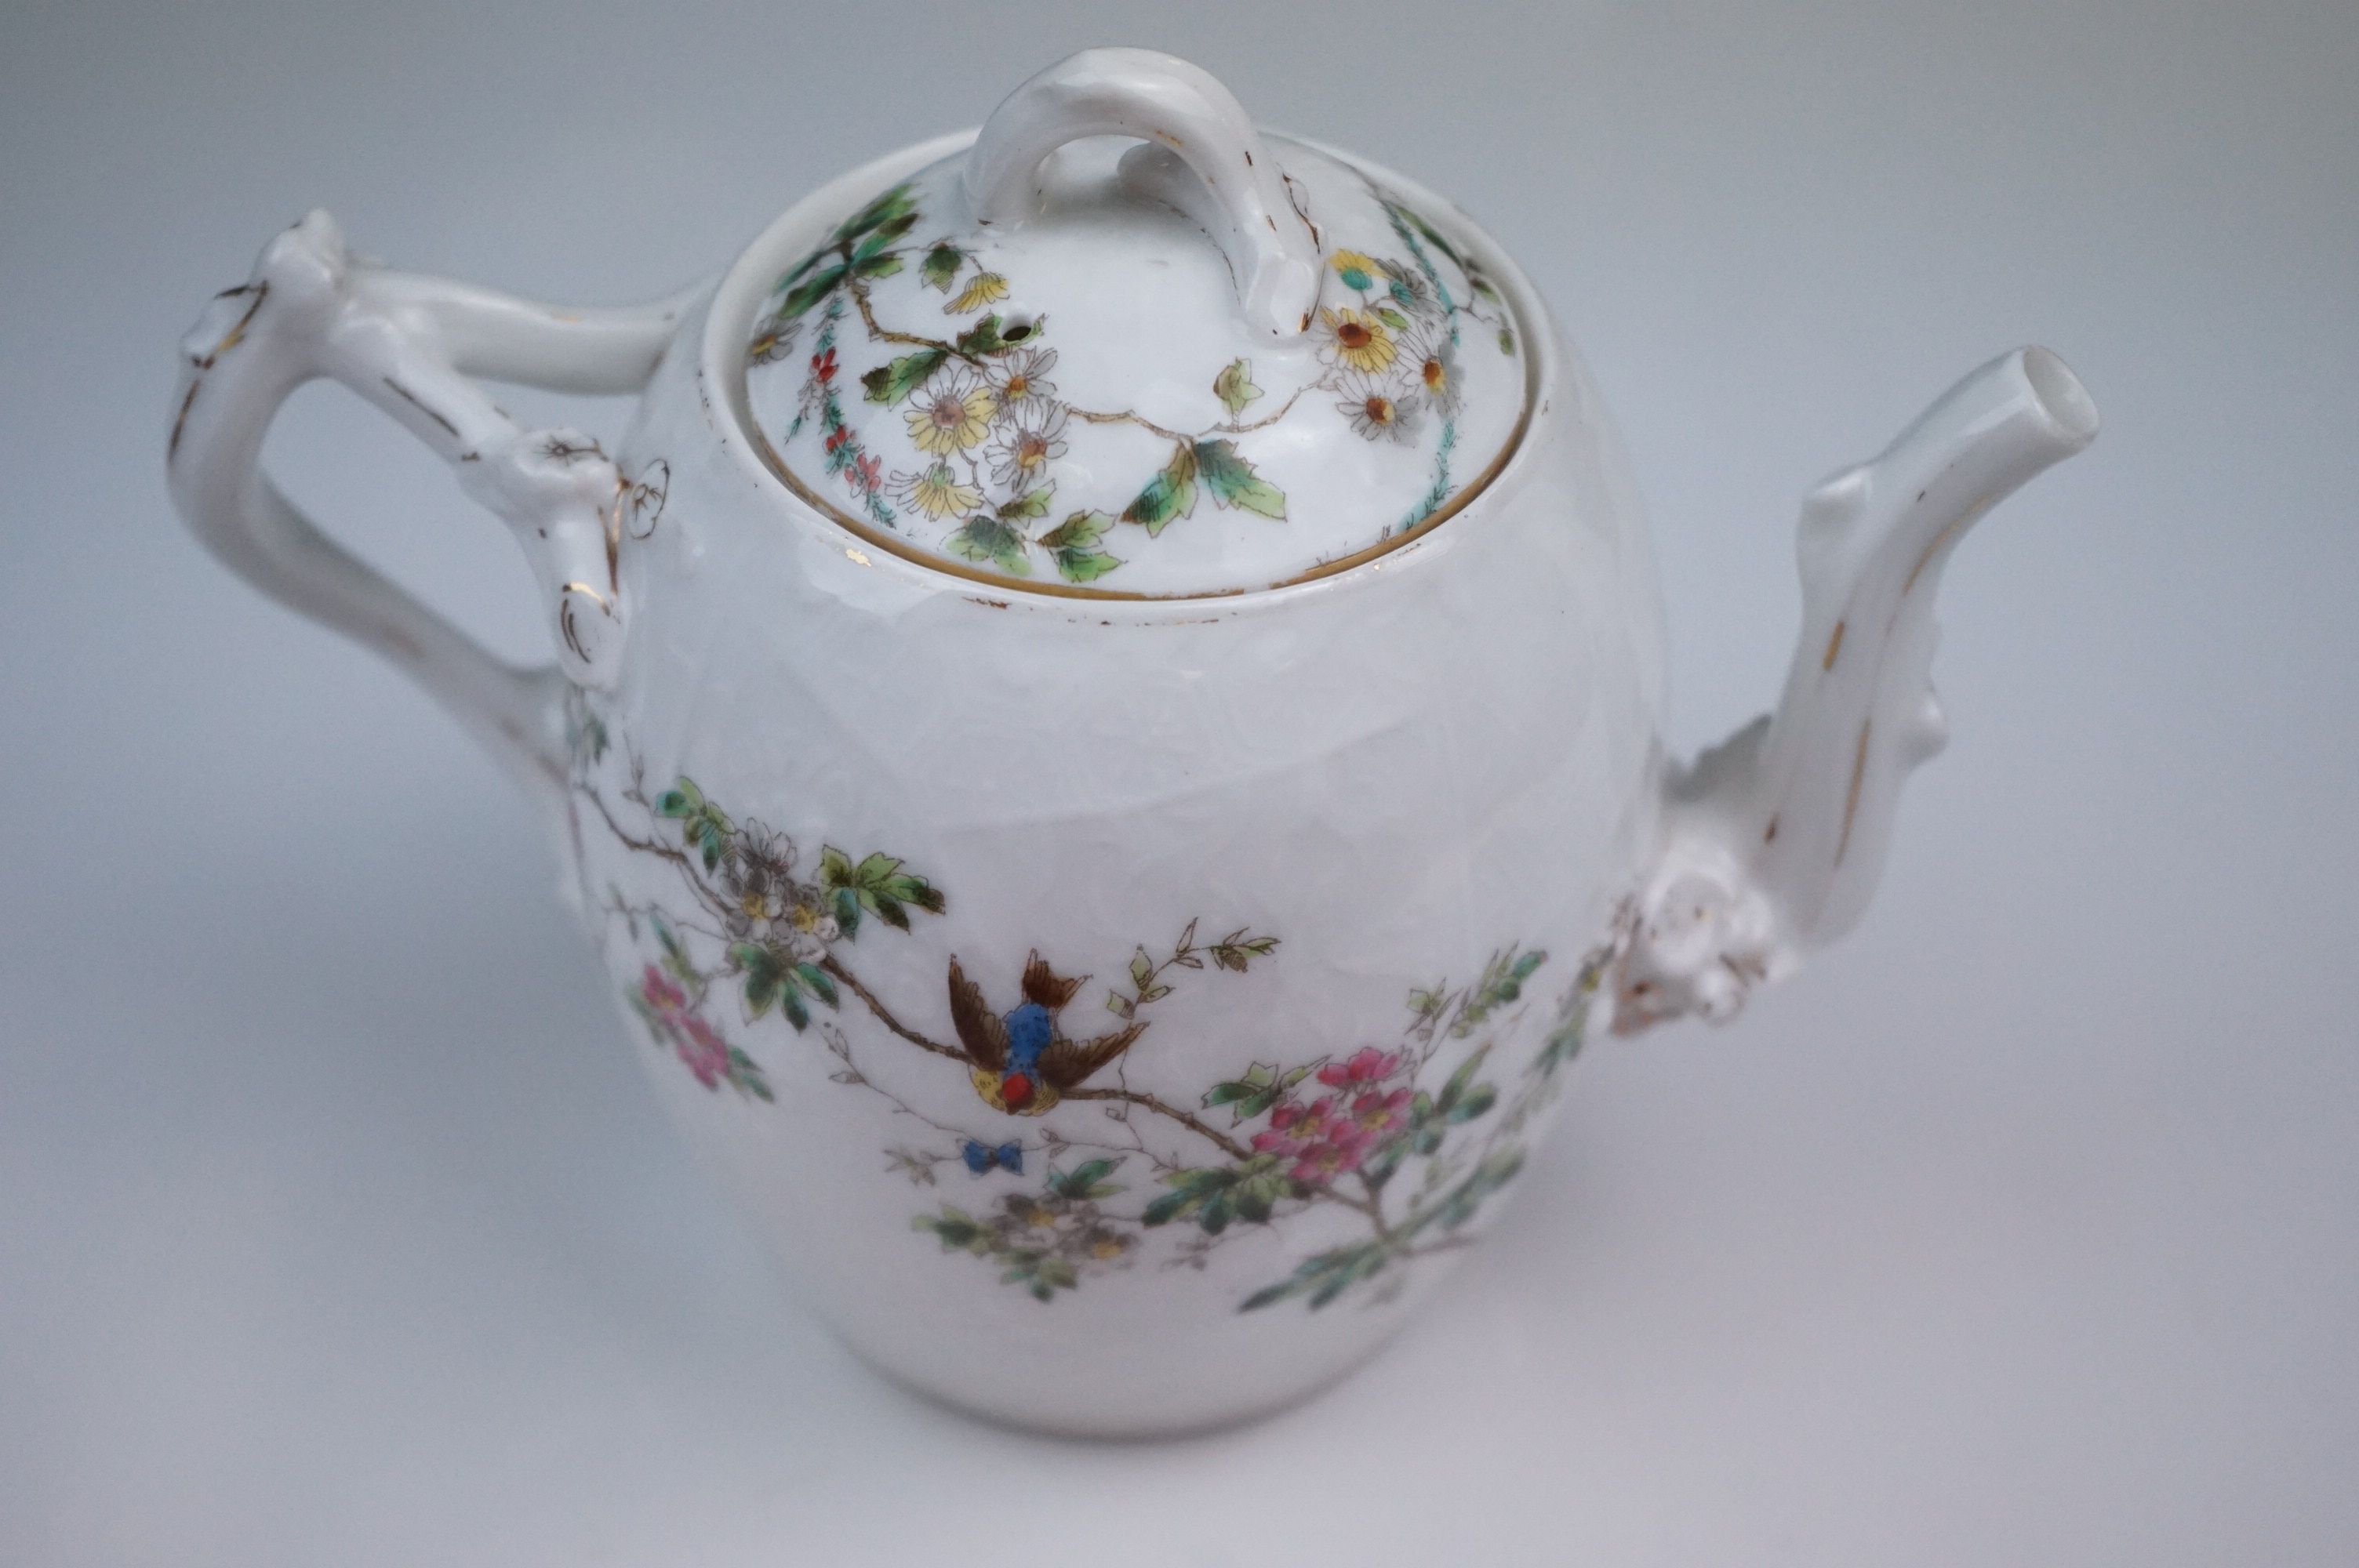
(894, 544)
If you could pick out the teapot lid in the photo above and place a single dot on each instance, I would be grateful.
(1124, 345)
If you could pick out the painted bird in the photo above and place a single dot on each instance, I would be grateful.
(1021, 1063)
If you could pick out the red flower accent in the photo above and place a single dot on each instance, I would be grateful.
(1344, 1147)
(662, 994)
(823, 365)
(1377, 1115)
(1366, 1066)
(865, 473)
(838, 437)
(697, 1043)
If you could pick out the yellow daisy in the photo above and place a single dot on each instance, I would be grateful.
(1358, 340)
(952, 413)
(937, 493)
(1357, 270)
(984, 289)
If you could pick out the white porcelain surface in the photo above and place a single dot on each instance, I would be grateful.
(1355, 865)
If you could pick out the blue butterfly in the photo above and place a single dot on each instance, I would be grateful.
(982, 1157)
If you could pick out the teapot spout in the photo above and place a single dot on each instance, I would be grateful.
(1774, 840)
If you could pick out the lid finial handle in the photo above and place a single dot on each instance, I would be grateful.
(1163, 100)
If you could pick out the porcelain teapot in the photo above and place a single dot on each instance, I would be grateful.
(1105, 718)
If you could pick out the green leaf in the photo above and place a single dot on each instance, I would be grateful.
(917, 889)
(1086, 1181)
(803, 266)
(809, 292)
(1169, 1208)
(1392, 317)
(883, 209)
(1456, 1086)
(1525, 965)
(817, 981)
(834, 868)
(1506, 341)
(1223, 1093)
(1068, 545)
(887, 909)
(959, 1230)
(1216, 1213)
(792, 1002)
(883, 235)
(941, 267)
(1031, 504)
(680, 800)
(989, 541)
(1247, 1109)
(1433, 236)
(746, 1075)
(847, 911)
(1480, 1099)
(982, 338)
(877, 266)
(1171, 494)
(1233, 386)
(1083, 566)
(1142, 969)
(1079, 529)
(1343, 1278)
(764, 982)
(1233, 481)
(889, 384)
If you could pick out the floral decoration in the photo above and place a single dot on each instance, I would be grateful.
(1407, 1139)
(986, 428)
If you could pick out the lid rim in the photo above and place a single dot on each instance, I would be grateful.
(773, 245)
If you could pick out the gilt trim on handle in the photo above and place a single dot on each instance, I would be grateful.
(1775, 838)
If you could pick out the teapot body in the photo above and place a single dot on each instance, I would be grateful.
(1116, 1005)
(1332, 871)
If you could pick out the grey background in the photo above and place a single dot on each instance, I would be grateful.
(335, 1226)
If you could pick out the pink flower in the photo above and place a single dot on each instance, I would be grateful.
(662, 993)
(1366, 1066)
(865, 475)
(1376, 1115)
(1294, 1127)
(697, 1043)
(1338, 1154)
(701, 1051)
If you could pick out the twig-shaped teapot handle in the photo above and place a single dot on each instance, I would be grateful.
(1203, 156)
(409, 343)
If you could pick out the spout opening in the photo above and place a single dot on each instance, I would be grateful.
(2062, 396)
